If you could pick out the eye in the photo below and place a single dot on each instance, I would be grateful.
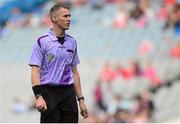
(68, 15)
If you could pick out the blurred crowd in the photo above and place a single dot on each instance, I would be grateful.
(139, 12)
(119, 107)
(137, 109)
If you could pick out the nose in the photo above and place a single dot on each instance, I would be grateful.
(69, 18)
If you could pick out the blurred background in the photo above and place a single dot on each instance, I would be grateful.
(129, 52)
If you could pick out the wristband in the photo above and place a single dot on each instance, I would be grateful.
(37, 90)
(38, 95)
(80, 98)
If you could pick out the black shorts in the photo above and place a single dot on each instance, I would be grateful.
(61, 104)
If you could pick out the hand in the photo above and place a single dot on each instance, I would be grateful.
(83, 109)
(41, 104)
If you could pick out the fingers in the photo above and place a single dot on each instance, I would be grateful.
(45, 106)
(42, 107)
(84, 113)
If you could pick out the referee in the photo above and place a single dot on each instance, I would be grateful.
(54, 74)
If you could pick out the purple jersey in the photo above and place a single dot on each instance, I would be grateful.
(54, 59)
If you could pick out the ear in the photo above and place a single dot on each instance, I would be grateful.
(54, 19)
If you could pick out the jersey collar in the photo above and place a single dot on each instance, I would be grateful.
(53, 36)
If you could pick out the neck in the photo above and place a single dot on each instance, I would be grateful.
(58, 32)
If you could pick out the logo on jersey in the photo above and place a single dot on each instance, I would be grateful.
(69, 57)
(50, 57)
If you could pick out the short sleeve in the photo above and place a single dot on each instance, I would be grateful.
(36, 55)
(76, 60)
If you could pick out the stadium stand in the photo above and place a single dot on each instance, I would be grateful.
(99, 42)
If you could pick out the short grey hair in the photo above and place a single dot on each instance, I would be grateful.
(57, 7)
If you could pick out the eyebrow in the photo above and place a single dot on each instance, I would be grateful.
(57, 14)
(67, 15)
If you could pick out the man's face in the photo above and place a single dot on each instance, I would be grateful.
(63, 18)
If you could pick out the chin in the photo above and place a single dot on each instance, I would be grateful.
(66, 28)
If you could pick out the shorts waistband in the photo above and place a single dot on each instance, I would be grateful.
(58, 86)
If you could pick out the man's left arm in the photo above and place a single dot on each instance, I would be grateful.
(77, 86)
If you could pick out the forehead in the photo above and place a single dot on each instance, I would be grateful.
(63, 11)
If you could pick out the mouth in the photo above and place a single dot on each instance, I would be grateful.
(68, 22)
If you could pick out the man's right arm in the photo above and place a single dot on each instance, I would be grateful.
(35, 79)
(35, 75)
